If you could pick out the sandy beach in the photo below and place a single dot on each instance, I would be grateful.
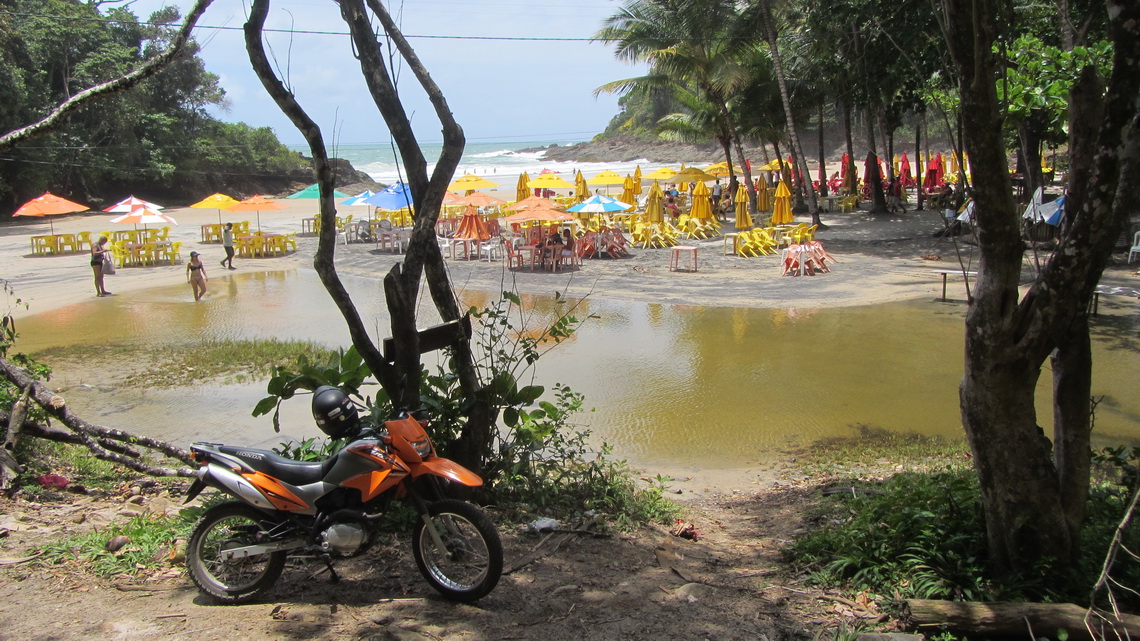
(878, 259)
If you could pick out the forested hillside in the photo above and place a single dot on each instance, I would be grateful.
(156, 140)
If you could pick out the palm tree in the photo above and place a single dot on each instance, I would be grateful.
(687, 44)
(764, 13)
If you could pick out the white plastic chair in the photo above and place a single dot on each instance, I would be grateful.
(1135, 248)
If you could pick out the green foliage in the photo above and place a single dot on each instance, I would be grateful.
(310, 449)
(343, 369)
(150, 536)
(73, 462)
(922, 535)
(154, 138)
(1040, 76)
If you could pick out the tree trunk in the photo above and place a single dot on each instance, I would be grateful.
(1015, 620)
(823, 177)
(875, 182)
(785, 97)
(1007, 341)
(920, 197)
(848, 137)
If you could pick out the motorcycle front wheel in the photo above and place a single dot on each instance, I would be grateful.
(231, 580)
(469, 563)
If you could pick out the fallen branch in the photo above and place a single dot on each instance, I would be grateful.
(95, 437)
(1010, 619)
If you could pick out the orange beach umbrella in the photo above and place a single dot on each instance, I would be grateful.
(49, 205)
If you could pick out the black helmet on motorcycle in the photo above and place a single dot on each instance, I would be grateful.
(334, 412)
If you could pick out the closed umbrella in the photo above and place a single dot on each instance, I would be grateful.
(628, 193)
(49, 205)
(763, 199)
(655, 205)
(743, 220)
(471, 226)
(256, 204)
(521, 190)
(215, 201)
(314, 191)
(701, 208)
(637, 180)
(581, 190)
(905, 175)
(782, 208)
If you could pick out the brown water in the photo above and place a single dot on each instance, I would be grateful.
(671, 384)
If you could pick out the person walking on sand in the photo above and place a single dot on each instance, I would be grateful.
(97, 257)
(196, 275)
(228, 244)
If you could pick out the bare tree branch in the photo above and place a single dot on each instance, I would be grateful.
(58, 115)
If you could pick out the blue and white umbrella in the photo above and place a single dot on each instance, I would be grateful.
(599, 204)
(359, 199)
(393, 197)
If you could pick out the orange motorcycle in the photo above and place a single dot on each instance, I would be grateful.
(329, 509)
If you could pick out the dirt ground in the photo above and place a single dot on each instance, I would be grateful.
(728, 583)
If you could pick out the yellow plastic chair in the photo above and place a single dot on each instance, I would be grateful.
(174, 252)
(290, 241)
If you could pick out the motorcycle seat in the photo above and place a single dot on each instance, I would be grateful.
(285, 469)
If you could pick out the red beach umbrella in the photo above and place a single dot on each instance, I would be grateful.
(904, 171)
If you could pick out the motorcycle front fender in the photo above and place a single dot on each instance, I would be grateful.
(448, 469)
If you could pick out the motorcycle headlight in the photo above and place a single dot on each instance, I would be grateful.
(423, 448)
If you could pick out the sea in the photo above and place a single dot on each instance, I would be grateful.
(505, 160)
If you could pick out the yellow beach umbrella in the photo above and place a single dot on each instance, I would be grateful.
(471, 182)
(743, 220)
(701, 208)
(763, 202)
(550, 181)
(782, 208)
(581, 191)
(655, 204)
(773, 165)
(628, 193)
(637, 180)
(607, 178)
(692, 174)
(661, 173)
(720, 169)
(521, 190)
(216, 201)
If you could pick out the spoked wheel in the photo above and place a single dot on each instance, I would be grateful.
(470, 561)
(232, 580)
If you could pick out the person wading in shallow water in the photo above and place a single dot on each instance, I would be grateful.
(228, 244)
(196, 275)
(98, 250)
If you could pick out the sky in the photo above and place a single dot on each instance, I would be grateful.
(498, 89)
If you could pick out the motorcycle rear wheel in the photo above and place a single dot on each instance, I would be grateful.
(471, 561)
(224, 527)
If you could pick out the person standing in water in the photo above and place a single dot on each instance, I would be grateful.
(98, 249)
(196, 275)
(228, 244)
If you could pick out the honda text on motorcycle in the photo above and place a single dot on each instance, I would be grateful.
(330, 509)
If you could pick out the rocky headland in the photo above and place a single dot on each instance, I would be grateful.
(629, 150)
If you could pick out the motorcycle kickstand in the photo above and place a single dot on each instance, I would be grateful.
(333, 576)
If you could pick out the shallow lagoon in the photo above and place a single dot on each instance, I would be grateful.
(671, 384)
